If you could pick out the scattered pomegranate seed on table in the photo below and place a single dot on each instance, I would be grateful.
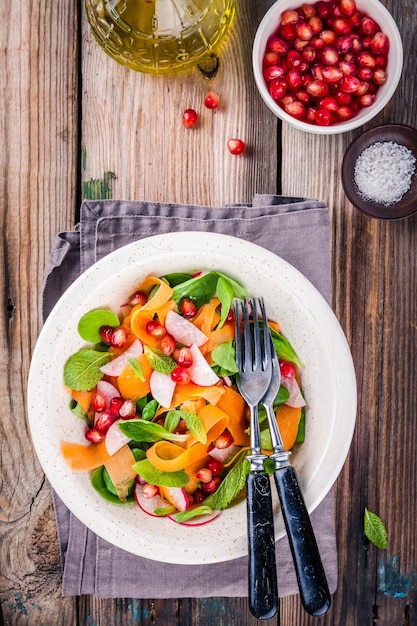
(189, 118)
(236, 146)
(325, 49)
(212, 100)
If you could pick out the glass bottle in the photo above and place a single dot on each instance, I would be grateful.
(159, 36)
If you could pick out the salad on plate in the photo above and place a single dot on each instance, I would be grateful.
(165, 425)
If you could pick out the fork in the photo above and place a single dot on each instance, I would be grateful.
(253, 356)
(311, 578)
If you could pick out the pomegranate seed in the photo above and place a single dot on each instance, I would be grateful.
(212, 100)
(329, 55)
(155, 329)
(119, 337)
(365, 73)
(184, 357)
(356, 19)
(318, 88)
(303, 96)
(308, 54)
(344, 44)
(106, 333)
(128, 409)
(103, 422)
(323, 9)
(216, 467)
(300, 44)
(362, 89)
(224, 440)
(343, 98)
(272, 72)
(379, 76)
(293, 80)
(328, 103)
(345, 113)
(366, 43)
(317, 71)
(115, 406)
(347, 7)
(365, 59)
(211, 486)
(235, 146)
(315, 24)
(287, 32)
(138, 298)
(356, 44)
(380, 44)
(167, 344)
(342, 26)
(199, 496)
(189, 118)
(367, 99)
(328, 36)
(278, 46)
(294, 59)
(317, 42)
(204, 474)
(150, 491)
(180, 375)
(296, 109)
(348, 68)
(368, 26)
(287, 369)
(332, 74)
(188, 308)
(288, 99)
(99, 403)
(277, 88)
(323, 117)
(304, 31)
(349, 84)
(289, 17)
(311, 114)
(93, 435)
(270, 58)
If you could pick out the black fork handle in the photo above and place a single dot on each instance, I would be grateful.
(312, 583)
(262, 573)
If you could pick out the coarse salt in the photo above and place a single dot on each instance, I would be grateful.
(383, 172)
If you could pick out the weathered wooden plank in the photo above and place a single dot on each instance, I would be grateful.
(37, 196)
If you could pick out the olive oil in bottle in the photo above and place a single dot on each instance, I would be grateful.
(159, 36)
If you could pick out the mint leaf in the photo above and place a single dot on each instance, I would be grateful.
(225, 294)
(184, 516)
(142, 430)
(82, 369)
(137, 369)
(375, 530)
(194, 423)
(154, 476)
(159, 361)
(230, 487)
(90, 324)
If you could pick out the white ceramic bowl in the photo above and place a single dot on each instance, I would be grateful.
(328, 380)
(374, 9)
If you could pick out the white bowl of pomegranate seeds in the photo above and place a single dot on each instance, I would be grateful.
(327, 67)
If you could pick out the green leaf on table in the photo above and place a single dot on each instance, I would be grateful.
(154, 476)
(82, 369)
(375, 530)
(90, 324)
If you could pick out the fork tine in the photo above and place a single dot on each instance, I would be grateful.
(238, 337)
(266, 334)
(247, 339)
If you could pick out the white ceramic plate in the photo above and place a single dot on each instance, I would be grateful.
(328, 380)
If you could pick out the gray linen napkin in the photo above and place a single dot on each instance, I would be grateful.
(296, 229)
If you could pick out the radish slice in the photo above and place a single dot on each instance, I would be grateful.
(108, 391)
(200, 520)
(224, 454)
(148, 505)
(117, 365)
(296, 399)
(115, 439)
(177, 496)
(184, 331)
(200, 371)
(162, 388)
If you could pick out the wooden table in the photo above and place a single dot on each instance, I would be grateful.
(75, 123)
